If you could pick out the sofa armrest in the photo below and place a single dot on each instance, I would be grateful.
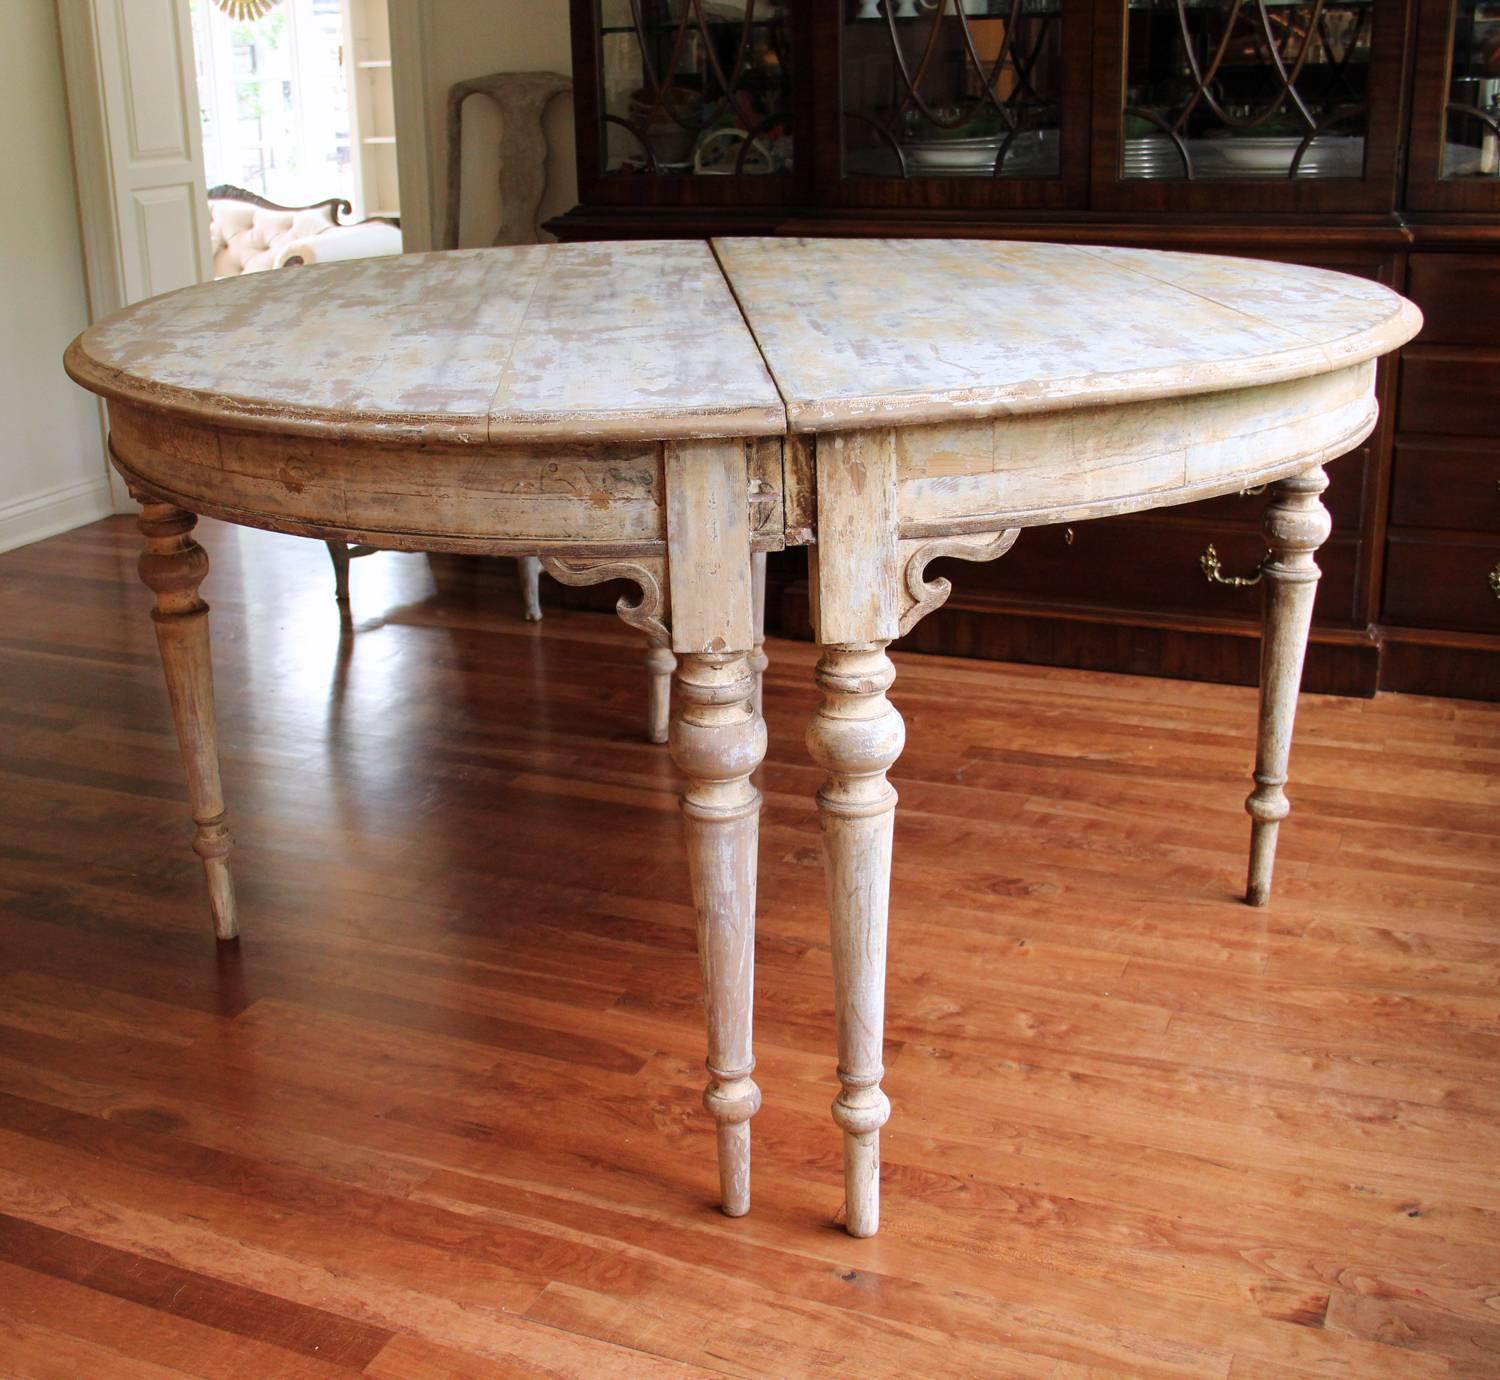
(370, 239)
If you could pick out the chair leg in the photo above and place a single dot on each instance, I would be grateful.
(530, 570)
(660, 663)
(338, 553)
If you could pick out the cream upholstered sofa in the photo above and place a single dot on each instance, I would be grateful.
(249, 233)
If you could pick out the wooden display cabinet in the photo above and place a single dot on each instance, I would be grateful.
(1360, 135)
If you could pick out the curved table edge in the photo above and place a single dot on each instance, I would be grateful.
(1009, 400)
(415, 428)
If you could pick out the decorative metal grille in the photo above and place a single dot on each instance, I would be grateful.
(696, 86)
(945, 88)
(1246, 88)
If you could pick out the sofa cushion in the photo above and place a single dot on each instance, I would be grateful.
(248, 238)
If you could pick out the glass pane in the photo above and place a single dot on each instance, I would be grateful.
(696, 86)
(1265, 89)
(952, 88)
(1471, 147)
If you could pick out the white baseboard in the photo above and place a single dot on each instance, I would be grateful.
(25, 520)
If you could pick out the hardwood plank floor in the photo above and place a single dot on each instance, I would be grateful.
(438, 1115)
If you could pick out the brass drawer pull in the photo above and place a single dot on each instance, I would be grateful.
(1495, 580)
(1213, 570)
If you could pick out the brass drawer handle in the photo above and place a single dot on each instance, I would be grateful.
(1213, 570)
(1495, 580)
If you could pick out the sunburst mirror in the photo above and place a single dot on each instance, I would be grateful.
(246, 9)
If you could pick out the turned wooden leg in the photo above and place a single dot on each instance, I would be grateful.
(173, 566)
(660, 663)
(855, 736)
(758, 659)
(717, 742)
(529, 568)
(1296, 525)
(338, 553)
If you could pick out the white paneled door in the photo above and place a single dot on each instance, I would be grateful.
(137, 144)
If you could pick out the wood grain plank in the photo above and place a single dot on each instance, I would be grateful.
(1140, 1129)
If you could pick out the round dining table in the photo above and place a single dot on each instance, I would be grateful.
(662, 412)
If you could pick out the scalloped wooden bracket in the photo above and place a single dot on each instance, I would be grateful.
(649, 613)
(920, 596)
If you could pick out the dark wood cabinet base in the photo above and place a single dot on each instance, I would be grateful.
(1422, 662)
(1339, 661)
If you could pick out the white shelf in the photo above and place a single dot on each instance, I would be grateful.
(370, 64)
(378, 139)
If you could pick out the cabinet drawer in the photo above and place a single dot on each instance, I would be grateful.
(1446, 486)
(1459, 295)
(1452, 392)
(1142, 564)
(1442, 582)
(1344, 499)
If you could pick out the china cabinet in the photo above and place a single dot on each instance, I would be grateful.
(1360, 135)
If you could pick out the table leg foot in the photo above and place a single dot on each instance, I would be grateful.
(717, 741)
(173, 565)
(1296, 525)
(855, 736)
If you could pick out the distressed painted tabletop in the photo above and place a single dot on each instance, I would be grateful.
(865, 332)
(569, 342)
(627, 340)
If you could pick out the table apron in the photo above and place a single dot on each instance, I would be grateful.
(571, 499)
(1040, 468)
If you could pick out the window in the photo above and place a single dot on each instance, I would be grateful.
(274, 101)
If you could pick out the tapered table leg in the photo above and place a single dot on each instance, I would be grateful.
(717, 741)
(758, 659)
(855, 736)
(660, 663)
(529, 569)
(1296, 525)
(173, 565)
(338, 553)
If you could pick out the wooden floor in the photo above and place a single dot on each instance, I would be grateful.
(438, 1114)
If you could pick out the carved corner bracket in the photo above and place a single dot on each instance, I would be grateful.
(648, 613)
(919, 595)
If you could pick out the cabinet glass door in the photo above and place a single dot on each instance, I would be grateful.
(1471, 147)
(1455, 139)
(1283, 95)
(690, 90)
(965, 102)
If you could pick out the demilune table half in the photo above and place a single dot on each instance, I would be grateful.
(658, 412)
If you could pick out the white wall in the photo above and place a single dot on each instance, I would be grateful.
(472, 38)
(52, 469)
